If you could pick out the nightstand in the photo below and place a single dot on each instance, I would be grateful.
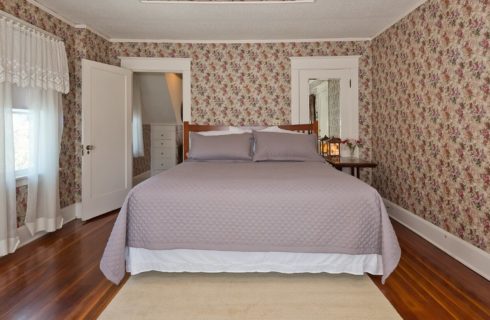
(355, 164)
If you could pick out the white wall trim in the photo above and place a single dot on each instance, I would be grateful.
(177, 65)
(237, 3)
(69, 213)
(51, 12)
(325, 62)
(344, 67)
(67, 21)
(115, 40)
(469, 255)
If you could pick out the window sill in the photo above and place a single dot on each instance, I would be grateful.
(20, 181)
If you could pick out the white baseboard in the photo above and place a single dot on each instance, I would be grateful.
(141, 177)
(68, 213)
(466, 253)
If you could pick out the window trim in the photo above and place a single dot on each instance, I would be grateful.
(21, 181)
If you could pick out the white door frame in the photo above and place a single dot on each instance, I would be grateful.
(305, 65)
(175, 65)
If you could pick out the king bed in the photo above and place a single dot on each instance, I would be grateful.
(243, 201)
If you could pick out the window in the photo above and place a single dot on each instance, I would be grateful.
(21, 128)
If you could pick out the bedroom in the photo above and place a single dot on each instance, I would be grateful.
(422, 113)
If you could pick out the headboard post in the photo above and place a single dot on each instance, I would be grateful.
(315, 127)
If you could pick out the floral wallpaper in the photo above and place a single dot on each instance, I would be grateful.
(243, 84)
(21, 205)
(431, 123)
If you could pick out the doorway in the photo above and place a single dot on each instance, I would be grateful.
(177, 73)
(157, 123)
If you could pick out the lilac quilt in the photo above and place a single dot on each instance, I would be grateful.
(252, 206)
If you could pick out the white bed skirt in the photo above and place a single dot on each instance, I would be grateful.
(183, 260)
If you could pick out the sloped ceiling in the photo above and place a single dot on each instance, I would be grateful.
(322, 19)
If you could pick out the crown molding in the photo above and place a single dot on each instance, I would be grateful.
(51, 12)
(116, 40)
(67, 21)
(226, 2)
(84, 26)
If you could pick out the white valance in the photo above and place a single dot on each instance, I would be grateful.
(31, 58)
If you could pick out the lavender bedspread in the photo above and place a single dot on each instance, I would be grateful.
(266, 206)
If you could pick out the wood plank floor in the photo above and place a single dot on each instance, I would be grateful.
(58, 277)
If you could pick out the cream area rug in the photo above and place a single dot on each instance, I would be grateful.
(155, 295)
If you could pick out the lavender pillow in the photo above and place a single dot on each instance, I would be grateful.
(275, 146)
(222, 147)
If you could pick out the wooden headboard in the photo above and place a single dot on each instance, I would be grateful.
(311, 128)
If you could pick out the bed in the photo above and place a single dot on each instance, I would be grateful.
(251, 216)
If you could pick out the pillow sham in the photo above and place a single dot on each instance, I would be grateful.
(221, 147)
(278, 146)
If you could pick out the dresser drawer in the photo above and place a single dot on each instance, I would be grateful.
(155, 158)
(164, 152)
(163, 132)
(163, 143)
(163, 164)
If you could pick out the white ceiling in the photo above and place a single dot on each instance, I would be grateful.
(323, 19)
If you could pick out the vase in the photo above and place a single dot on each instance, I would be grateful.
(352, 152)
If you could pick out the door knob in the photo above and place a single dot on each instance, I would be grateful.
(89, 148)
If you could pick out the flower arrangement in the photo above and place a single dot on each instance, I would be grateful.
(352, 144)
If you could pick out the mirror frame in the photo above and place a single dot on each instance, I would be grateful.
(349, 64)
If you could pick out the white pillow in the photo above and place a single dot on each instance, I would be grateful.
(240, 130)
(215, 133)
(277, 129)
(231, 130)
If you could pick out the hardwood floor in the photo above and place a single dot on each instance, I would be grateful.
(58, 277)
(429, 284)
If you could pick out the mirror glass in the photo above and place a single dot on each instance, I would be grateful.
(325, 106)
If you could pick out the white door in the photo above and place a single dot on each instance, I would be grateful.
(106, 137)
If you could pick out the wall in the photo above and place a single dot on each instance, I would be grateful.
(243, 84)
(155, 96)
(143, 164)
(431, 77)
(174, 83)
(157, 107)
(80, 43)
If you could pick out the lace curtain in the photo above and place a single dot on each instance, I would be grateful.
(33, 64)
(30, 58)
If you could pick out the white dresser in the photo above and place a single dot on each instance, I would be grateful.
(164, 153)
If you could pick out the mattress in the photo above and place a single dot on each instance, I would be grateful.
(289, 207)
